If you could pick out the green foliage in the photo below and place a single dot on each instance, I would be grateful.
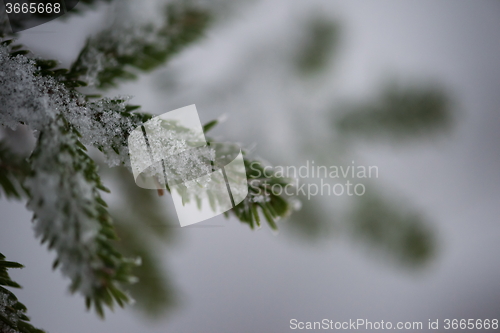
(60, 156)
(393, 229)
(144, 48)
(261, 199)
(13, 171)
(12, 312)
(398, 113)
(208, 126)
(320, 43)
(61, 181)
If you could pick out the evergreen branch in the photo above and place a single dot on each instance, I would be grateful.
(106, 124)
(261, 198)
(47, 91)
(63, 186)
(108, 56)
(13, 317)
(393, 229)
(13, 170)
(398, 112)
(72, 218)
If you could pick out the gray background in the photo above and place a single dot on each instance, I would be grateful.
(232, 279)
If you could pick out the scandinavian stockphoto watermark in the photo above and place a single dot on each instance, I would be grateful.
(310, 179)
(170, 152)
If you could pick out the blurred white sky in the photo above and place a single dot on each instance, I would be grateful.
(236, 280)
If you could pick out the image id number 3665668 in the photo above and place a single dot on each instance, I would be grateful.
(32, 8)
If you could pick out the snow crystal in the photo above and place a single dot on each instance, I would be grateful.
(42, 98)
(7, 311)
(62, 196)
(123, 40)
